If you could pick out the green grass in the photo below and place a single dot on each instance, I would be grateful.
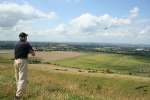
(4, 59)
(49, 85)
(117, 63)
(54, 85)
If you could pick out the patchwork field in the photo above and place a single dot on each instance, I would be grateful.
(111, 63)
(59, 81)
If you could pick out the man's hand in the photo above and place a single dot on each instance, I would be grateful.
(32, 52)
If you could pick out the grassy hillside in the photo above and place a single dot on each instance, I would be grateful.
(50, 85)
(44, 83)
(116, 63)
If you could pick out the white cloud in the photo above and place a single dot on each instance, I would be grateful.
(145, 30)
(89, 24)
(12, 13)
(88, 20)
(134, 12)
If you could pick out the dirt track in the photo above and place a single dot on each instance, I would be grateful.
(59, 69)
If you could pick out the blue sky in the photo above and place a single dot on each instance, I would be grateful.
(68, 9)
(71, 8)
(107, 21)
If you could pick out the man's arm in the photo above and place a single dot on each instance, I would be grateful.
(31, 50)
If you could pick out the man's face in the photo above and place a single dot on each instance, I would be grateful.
(23, 38)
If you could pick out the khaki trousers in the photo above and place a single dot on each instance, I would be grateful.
(21, 75)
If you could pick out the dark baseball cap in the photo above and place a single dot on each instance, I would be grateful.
(23, 34)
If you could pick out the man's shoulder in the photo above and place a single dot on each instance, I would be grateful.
(19, 43)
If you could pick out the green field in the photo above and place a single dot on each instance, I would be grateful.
(47, 84)
(115, 63)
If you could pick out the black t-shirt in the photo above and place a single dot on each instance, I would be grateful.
(22, 49)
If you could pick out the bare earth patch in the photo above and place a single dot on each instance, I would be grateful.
(56, 55)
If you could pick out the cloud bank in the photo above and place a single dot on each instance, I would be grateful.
(12, 13)
(104, 28)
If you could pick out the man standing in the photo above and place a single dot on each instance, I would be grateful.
(22, 49)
